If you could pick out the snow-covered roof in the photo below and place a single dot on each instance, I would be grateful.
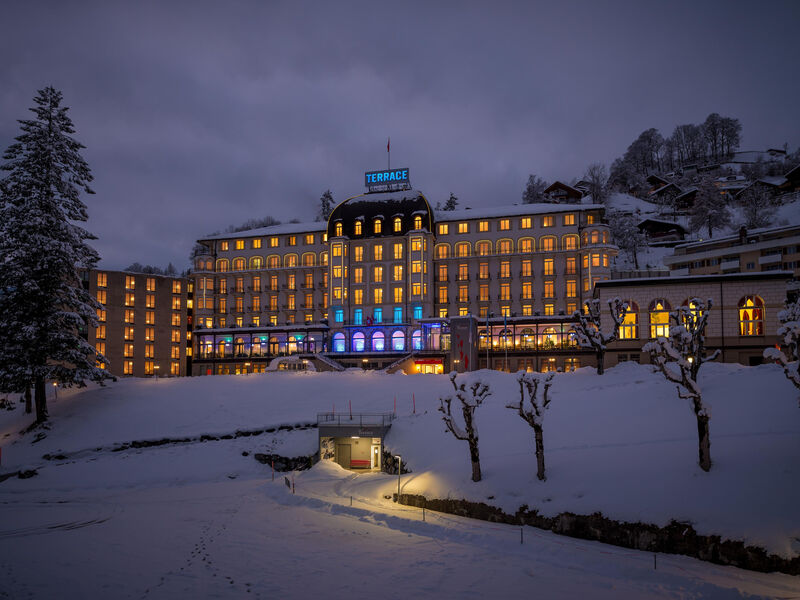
(311, 227)
(729, 238)
(693, 278)
(509, 211)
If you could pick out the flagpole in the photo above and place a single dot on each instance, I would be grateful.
(388, 154)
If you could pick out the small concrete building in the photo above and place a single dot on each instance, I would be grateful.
(354, 441)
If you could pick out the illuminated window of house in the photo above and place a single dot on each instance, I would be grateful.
(605, 259)
(129, 299)
(484, 248)
(527, 268)
(659, 318)
(548, 221)
(102, 280)
(222, 305)
(504, 247)
(416, 289)
(398, 250)
(273, 242)
(377, 274)
(176, 320)
(463, 227)
(127, 350)
(417, 222)
(505, 311)
(416, 266)
(505, 291)
(483, 270)
(358, 296)
(358, 253)
(605, 237)
(527, 290)
(223, 246)
(101, 315)
(463, 272)
(338, 229)
(256, 304)
(590, 219)
(505, 224)
(150, 301)
(549, 310)
(130, 282)
(525, 223)
(571, 308)
(128, 316)
(256, 243)
(100, 347)
(569, 219)
(397, 272)
(549, 289)
(505, 269)
(377, 226)
(357, 228)
(571, 242)
(442, 313)
(273, 320)
(100, 334)
(148, 350)
(547, 244)
(101, 296)
(463, 311)
(570, 268)
(463, 293)
(595, 236)
(398, 224)
(595, 260)
(398, 294)
(308, 301)
(483, 226)
(127, 367)
(416, 244)
(176, 304)
(291, 240)
(629, 330)
(377, 252)
(442, 295)
(291, 260)
(483, 292)
(549, 266)
(444, 229)
(527, 310)
(526, 245)
(175, 367)
(290, 302)
(309, 239)
(751, 316)
(442, 250)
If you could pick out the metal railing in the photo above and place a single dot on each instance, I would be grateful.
(360, 419)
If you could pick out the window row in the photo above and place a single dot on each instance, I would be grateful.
(359, 227)
(546, 243)
(273, 261)
(377, 342)
(504, 224)
(309, 239)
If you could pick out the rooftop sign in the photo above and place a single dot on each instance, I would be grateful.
(384, 179)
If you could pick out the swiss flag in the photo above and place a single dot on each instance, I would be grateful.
(388, 141)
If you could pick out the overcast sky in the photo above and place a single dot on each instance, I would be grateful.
(200, 115)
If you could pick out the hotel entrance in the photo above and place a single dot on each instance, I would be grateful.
(354, 441)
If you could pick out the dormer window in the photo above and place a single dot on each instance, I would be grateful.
(377, 226)
(357, 228)
(417, 222)
(338, 229)
(398, 224)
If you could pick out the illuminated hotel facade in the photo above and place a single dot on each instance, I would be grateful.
(388, 282)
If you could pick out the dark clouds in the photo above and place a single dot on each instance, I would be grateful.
(198, 115)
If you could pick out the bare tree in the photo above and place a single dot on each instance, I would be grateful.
(529, 384)
(588, 332)
(789, 330)
(534, 190)
(679, 358)
(757, 207)
(470, 397)
(710, 209)
(626, 234)
(597, 176)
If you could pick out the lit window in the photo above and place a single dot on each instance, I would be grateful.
(416, 244)
(549, 289)
(417, 222)
(127, 367)
(101, 296)
(398, 294)
(377, 274)
(549, 310)
(175, 368)
(751, 316)
(525, 223)
(505, 291)
(129, 315)
(100, 334)
(571, 242)
(463, 228)
(527, 268)
(102, 280)
(150, 301)
(505, 269)
(176, 303)
(629, 330)
(397, 272)
(398, 314)
(444, 229)
(590, 219)
(100, 347)
(504, 247)
(223, 246)
(572, 288)
(570, 268)
(483, 248)
(547, 244)
(358, 342)
(417, 312)
(549, 268)
(256, 243)
(378, 316)
(398, 224)
(358, 253)
(398, 341)
(659, 318)
(273, 242)
(483, 226)
(129, 299)
(442, 296)
(291, 240)
(101, 315)
(378, 295)
(358, 317)
(377, 252)
(377, 226)
(378, 341)
(462, 249)
(526, 245)
(338, 229)
(357, 229)
(569, 219)
(150, 284)
(527, 290)
(505, 224)
(127, 350)
(309, 239)
(358, 296)
(398, 250)
(548, 221)
(338, 315)
(463, 311)
(176, 319)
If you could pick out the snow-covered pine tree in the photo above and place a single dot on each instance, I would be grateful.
(451, 203)
(789, 330)
(534, 190)
(679, 358)
(710, 210)
(325, 205)
(44, 308)
(471, 397)
(589, 333)
(534, 416)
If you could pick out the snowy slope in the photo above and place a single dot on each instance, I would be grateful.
(623, 443)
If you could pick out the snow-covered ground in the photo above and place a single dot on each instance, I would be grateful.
(202, 519)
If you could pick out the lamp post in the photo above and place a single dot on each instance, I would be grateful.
(399, 470)
(55, 389)
(155, 372)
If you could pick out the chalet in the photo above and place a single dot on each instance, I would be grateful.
(658, 230)
(731, 184)
(770, 186)
(656, 182)
(561, 193)
(665, 194)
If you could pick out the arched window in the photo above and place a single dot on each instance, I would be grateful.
(570, 242)
(398, 341)
(221, 348)
(256, 262)
(462, 249)
(751, 316)
(549, 337)
(526, 245)
(239, 347)
(483, 340)
(416, 340)
(442, 250)
(358, 342)
(504, 247)
(629, 330)
(547, 243)
(337, 229)
(238, 264)
(527, 338)
(693, 308)
(274, 345)
(293, 344)
(378, 341)
(595, 236)
(377, 226)
(357, 228)
(338, 342)
(308, 259)
(483, 248)
(290, 260)
(506, 338)
(659, 318)
(273, 261)
(417, 222)
(398, 224)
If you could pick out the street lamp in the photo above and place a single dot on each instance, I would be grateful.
(55, 389)
(155, 372)
(399, 470)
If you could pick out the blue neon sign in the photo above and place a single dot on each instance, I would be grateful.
(390, 177)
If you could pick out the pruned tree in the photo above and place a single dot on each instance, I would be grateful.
(451, 203)
(529, 385)
(43, 305)
(597, 177)
(710, 209)
(679, 358)
(589, 333)
(626, 234)
(470, 396)
(789, 332)
(534, 190)
(325, 205)
(757, 207)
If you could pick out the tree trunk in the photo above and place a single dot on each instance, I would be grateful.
(41, 400)
(537, 429)
(28, 403)
(474, 456)
(635, 258)
(600, 359)
(704, 442)
(709, 230)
